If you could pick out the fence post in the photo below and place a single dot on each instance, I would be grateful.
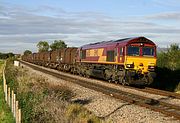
(9, 97)
(4, 84)
(6, 92)
(14, 105)
(17, 112)
(19, 116)
(12, 101)
(4, 79)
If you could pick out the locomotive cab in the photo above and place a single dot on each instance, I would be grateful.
(140, 60)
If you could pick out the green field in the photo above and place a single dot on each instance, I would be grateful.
(5, 113)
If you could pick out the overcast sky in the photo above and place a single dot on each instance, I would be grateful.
(23, 23)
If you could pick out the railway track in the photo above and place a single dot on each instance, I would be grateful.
(161, 92)
(153, 91)
(156, 105)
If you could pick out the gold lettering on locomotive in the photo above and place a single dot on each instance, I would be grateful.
(96, 52)
(87, 52)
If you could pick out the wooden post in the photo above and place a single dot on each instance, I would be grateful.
(4, 82)
(9, 98)
(6, 92)
(17, 112)
(19, 116)
(12, 101)
(14, 105)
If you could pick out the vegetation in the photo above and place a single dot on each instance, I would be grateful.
(6, 55)
(168, 69)
(77, 114)
(170, 59)
(58, 44)
(5, 112)
(42, 101)
(27, 52)
(43, 46)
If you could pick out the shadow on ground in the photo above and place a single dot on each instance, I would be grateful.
(82, 101)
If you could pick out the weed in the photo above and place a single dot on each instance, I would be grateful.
(78, 114)
(59, 92)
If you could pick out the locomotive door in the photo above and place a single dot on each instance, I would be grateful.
(121, 55)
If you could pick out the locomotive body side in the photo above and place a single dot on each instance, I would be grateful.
(127, 61)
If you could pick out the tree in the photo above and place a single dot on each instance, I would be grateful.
(43, 46)
(27, 52)
(173, 55)
(170, 59)
(58, 44)
(6, 55)
(10, 55)
(174, 47)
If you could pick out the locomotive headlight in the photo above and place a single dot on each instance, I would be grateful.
(130, 65)
(141, 64)
(151, 68)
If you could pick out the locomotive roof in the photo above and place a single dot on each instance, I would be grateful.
(123, 41)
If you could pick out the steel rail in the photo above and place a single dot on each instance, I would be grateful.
(161, 92)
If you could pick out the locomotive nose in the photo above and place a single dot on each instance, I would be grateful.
(141, 64)
(141, 68)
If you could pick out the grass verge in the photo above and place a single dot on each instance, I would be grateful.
(5, 112)
(43, 102)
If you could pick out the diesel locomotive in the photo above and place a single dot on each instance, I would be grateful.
(129, 61)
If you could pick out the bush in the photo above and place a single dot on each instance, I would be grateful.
(59, 92)
(168, 69)
(169, 59)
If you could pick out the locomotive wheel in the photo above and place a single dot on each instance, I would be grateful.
(124, 78)
(73, 70)
(151, 76)
(127, 78)
(108, 78)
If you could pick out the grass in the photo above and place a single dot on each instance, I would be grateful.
(43, 102)
(78, 114)
(5, 112)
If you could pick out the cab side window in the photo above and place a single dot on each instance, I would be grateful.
(110, 56)
(121, 51)
(83, 54)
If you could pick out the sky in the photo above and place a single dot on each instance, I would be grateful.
(23, 23)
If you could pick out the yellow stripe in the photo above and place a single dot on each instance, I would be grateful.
(102, 62)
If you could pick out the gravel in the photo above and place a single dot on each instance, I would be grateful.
(109, 108)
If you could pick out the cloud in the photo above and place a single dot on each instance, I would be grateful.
(167, 3)
(166, 16)
(21, 28)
